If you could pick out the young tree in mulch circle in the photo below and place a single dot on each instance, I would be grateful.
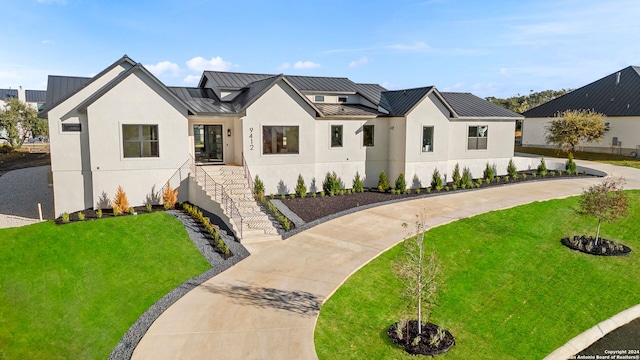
(169, 197)
(605, 201)
(419, 272)
(120, 202)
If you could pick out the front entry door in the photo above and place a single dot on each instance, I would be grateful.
(208, 143)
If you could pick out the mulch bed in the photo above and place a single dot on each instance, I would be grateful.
(603, 248)
(403, 334)
(90, 214)
(310, 209)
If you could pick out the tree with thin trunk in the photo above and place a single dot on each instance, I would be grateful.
(605, 201)
(418, 272)
(19, 122)
(571, 128)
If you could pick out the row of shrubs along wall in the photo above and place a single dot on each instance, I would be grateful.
(418, 175)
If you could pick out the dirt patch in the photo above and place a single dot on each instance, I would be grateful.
(20, 160)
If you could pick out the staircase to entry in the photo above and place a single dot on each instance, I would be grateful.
(231, 180)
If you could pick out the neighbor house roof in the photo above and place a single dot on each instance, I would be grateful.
(35, 95)
(469, 105)
(8, 93)
(617, 94)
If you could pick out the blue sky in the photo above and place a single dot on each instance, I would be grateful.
(489, 48)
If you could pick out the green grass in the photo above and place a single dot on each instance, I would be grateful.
(619, 160)
(511, 290)
(72, 291)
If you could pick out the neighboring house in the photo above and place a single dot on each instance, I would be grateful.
(124, 127)
(33, 98)
(617, 96)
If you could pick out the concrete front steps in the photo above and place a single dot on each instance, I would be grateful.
(257, 226)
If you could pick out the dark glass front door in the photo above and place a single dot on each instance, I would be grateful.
(208, 143)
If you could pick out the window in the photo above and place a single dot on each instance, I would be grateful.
(336, 135)
(367, 135)
(140, 141)
(343, 98)
(71, 127)
(280, 139)
(427, 139)
(478, 137)
(319, 98)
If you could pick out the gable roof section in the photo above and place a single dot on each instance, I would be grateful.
(401, 102)
(65, 87)
(348, 110)
(468, 105)
(118, 79)
(617, 94)
(202, 100)
(372, 92)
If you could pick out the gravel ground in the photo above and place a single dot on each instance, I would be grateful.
(128, 343)
(9, 221)
(21, 190)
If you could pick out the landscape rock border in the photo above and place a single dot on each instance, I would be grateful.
(604, 248)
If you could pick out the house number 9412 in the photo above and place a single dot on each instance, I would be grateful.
(250, 138)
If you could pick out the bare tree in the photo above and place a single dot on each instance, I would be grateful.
(573, 127)
(418, 272)
(605, 201)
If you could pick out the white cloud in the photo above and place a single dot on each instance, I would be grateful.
(362, 61)
(47, 42)
(284, 66)
(416, 46)
(505, 72)
(199, 63)
(191, 79)
(305, 65)
(164, 67)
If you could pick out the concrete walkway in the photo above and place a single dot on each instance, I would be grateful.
(266, 306)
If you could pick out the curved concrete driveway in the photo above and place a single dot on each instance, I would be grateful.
(266, 306)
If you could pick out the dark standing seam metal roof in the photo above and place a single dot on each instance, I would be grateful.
(607, 96)
(8, 93)
(35, 95)
(316, 83)
(202, 101)
(231, 80)
(253, 91)
(371, 91)
(58, 87)
(399, 102)
(469, 105)
(347, 110)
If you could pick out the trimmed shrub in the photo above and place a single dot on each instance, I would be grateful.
(64, 217)
(436, 180)
(148, 207)
(120, 202)
(331, 184)
(542, 168)
(488, 174)
(357, 184)
(466, 181)
(169, 197)
(99, 213)
(456, 178)
(512, 171)
(401, 184)
(383, 182)
(258, 189)
(570, 166)
(301, 188)
(80, 216)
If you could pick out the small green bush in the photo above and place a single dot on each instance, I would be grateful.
(80, 216)
(258, 188)
(283, 196)
(313, 195)
(116, 211)
(148, 207)
(65, 217)
(418, 191)
(436, 180)
(331, 184)
(479, 181)
(466, 181)
(357, 184)
(456, 178)
(321, 193)
(512, 171)
(542, 168)
(454, 187)
(570, 166)
(301, 188)
(488, 173)
(99, 213)
(383, 182)
(401, 184)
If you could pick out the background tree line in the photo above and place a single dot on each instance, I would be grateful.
(522, 103)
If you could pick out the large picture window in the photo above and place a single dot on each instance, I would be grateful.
(280, 140)
(367, 135)
(140, 141)
(336, 135)
(427, 139)
(478, 137)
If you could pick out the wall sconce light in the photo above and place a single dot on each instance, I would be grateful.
(228, 132)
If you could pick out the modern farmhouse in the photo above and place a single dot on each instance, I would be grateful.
(125, 127)
(617, 96)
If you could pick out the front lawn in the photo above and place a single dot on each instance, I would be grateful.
(511, 290)
(612, 159)
(72, 291)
